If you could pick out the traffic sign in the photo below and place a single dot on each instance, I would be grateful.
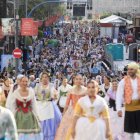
(17, 53)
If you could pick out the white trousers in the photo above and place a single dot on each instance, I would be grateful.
(135, 136)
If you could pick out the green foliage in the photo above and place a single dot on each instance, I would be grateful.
(40, 34)
(105, 15)
(80, 18)
(28, 41)
(43, 11)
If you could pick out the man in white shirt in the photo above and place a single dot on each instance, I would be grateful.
(7, 125)
(128, 93)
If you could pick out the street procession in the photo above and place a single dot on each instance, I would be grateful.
(70, 70)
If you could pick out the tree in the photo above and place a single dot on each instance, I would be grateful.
(43, 11)
(40, 34)
(28, 41)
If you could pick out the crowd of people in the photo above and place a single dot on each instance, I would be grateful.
(68, 92)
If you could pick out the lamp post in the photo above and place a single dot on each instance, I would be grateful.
(16, 30)
(42, 3)
(26, 7)
(16, 18)
(25, 38)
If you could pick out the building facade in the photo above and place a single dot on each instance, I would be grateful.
(115, 6)
(100, 7)
(2, 8)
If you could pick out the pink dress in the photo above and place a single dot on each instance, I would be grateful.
(67, 118)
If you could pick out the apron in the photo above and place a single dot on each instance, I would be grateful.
(62, 100)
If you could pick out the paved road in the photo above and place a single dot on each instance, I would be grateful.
(137, 137)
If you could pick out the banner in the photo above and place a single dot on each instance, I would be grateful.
(76, 63)
(40, 23)
(35, 28)
(27, 26)
(51, 20)
(7, 61)
(8, 26)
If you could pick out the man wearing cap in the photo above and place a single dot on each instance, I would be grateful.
(128, 93)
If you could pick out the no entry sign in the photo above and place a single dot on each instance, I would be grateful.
(17, 53)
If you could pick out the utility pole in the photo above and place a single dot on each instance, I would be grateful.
(16, 31)
(25, 38)
(26, 8)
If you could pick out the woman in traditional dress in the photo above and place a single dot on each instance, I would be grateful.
(7, 86)
(15, 86)
(49, 113)
(99, 79)
(23, 105)
(91, 117)
(2, 98)
(112, 94)
(7, 125)
(106, 85)
(75, 93)
(62, 92)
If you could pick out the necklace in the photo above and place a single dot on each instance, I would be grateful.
(92, 108)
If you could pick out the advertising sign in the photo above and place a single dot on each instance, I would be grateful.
(35, 28)
(27, 26)
(8, 26)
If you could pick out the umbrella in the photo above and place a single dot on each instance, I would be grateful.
(53, 42)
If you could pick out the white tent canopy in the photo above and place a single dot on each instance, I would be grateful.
(64, 22)
(115, 19)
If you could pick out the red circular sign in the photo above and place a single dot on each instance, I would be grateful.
(17, 53)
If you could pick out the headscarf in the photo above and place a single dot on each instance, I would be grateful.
(134, 65)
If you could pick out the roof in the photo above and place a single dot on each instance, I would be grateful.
(115, 19)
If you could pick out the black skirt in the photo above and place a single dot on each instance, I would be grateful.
(132, 121)
(112, 104)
